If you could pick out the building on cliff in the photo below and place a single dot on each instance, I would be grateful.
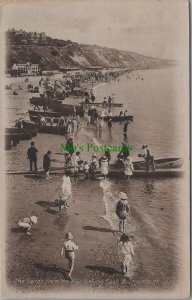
(24, 69)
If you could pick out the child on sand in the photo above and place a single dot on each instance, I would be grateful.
(69, 247)
(62, 203)
(129, 169)
(126, 253)
(122, 210)
(27, 223)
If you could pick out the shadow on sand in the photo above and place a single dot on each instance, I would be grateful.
(106, 270)
(18, 230)
(46, 203)
(51, 268)
(98, 229)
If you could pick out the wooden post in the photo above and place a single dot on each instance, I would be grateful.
(7, 142)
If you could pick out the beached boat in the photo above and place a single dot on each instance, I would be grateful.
(21, 132)
(161, 163)
(53, 129)
(161, 173)
(117, 118)
(40, 101)
(57, 106)
(46, 128)
(49, 114)
(68, 109)
(103, 104)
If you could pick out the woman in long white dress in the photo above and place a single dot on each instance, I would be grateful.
(104, 166)
(126, 253)
(129, 169)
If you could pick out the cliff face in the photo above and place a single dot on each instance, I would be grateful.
(52, 54)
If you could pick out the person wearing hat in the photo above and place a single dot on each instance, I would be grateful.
(149, 157)
(27, 223)
(126, 253)
(32, 156)
(122, 210)
(125, 126)
(47, 163)
(124, 153)
(104, 102)
(86, 168)
(128, 165)
(70, 146)
(62, 203)
(109, 124)
(104, 166)
(94, 165)
(77, 162)
(100, 125)
(69, 247)
(66, 185)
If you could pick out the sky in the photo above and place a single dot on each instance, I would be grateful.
(155, 28)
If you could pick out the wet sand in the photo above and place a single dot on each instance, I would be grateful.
(33, 262)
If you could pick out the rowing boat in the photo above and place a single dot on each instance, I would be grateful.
(160, 163)
(103, 104)
(49, 114)
(46, 128)
(161, 173)
(40, 101)
(58, 108)
(68, 109)
(164, 167)
(118, 118)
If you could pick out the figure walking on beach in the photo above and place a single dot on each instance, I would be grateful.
(47, 163)
(32, 156)
(104, 166)
(149, 157)
(109, 124)
(122, 210)
(125, 128)
(66, 186)
(69, 247)
(128, 165)
(126, 253)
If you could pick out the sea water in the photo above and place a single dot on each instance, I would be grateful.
(152, 97)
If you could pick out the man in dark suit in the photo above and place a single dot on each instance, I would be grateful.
(47, 163)
(32, 156)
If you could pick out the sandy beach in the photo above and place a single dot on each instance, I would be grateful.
(33, 262)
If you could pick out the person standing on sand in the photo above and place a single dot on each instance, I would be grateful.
(66, 186)
(109, 124)
(122, 210)
(69, 247)
(149, 157)
(125, 127)
(126, 253)
(104, 166)
(32, 156)
(47, 163)
(128, 165)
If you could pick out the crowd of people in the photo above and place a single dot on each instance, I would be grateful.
(93, 168)
(96, 165)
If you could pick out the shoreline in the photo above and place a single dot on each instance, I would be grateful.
(88, 219)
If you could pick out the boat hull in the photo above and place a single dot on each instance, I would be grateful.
(162, 163)
(119, 119)
(47, 129)
(102, 104)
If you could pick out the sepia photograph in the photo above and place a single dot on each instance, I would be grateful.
(95, 162)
